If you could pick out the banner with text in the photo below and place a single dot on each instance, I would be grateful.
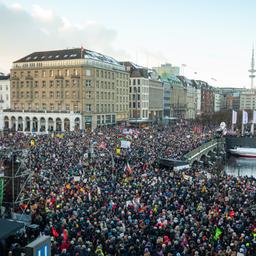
(245, 117)
(234, 117)
(254, 117)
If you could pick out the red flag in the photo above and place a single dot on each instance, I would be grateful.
(65, 234)
(231, 213)
(54, 232)
(128, 168)
(145, 166)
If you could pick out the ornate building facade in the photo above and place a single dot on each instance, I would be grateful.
(66, 90)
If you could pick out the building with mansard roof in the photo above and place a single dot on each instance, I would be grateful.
(66, 90)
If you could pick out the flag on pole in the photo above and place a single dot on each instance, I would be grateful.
(234, 117)
(65, 235)
(254, 117)
(128, 168)
(245, 117)
(54, 232)
(218, 232)
(82, 50)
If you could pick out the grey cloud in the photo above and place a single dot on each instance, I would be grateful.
(23, 33)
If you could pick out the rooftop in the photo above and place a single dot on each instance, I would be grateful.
(4, 77)
(67, 54)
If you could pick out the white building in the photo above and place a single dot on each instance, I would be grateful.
(218, 98)
(138, 92)
(248, 100)
(191, 97)
(5, 102)
(198, 101)
(191, 102)
(29, 121)
(139, 98)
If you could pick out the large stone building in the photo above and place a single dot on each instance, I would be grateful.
(218, 99)
(231, 98)
(248, 100)
(67, 89)
(207, 98)
(4, 91)
(167, 98)
(138, 91)
(156, 97)
(191, 97)
(178, 104)
(198, 89)
(146, 94)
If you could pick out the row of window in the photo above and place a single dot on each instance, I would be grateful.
(58, 94)
(36, 84)
(2, 87)
(2, 97)
(100, 108)
(110, 75)
(69, 72)
(50, 73)
(138, 105)
(138, 97)
(138, 82)
(138, 114)
(107, 85)
(67, 94)
(59, 82)
(106, 119)
(137, 89)
(50, 107)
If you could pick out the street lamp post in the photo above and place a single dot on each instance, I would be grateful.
(238, 170)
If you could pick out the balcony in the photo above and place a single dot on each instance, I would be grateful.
(29, 77)
(75, 76)
(59, 77)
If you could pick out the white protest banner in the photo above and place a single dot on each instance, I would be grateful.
(245, 117)
(234, 117)
(125, 144)
(76, 178)
(254, 117)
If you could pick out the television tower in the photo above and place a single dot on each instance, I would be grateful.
(252, 70)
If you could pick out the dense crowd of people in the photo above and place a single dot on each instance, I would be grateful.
(90, 205)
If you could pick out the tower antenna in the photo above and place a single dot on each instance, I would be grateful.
(252, 70)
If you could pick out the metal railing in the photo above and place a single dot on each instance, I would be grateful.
(204, 147)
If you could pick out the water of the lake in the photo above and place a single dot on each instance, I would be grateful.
(238, 166)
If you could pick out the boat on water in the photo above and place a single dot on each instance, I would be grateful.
(244, 152)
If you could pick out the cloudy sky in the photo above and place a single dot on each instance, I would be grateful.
(213, 38)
